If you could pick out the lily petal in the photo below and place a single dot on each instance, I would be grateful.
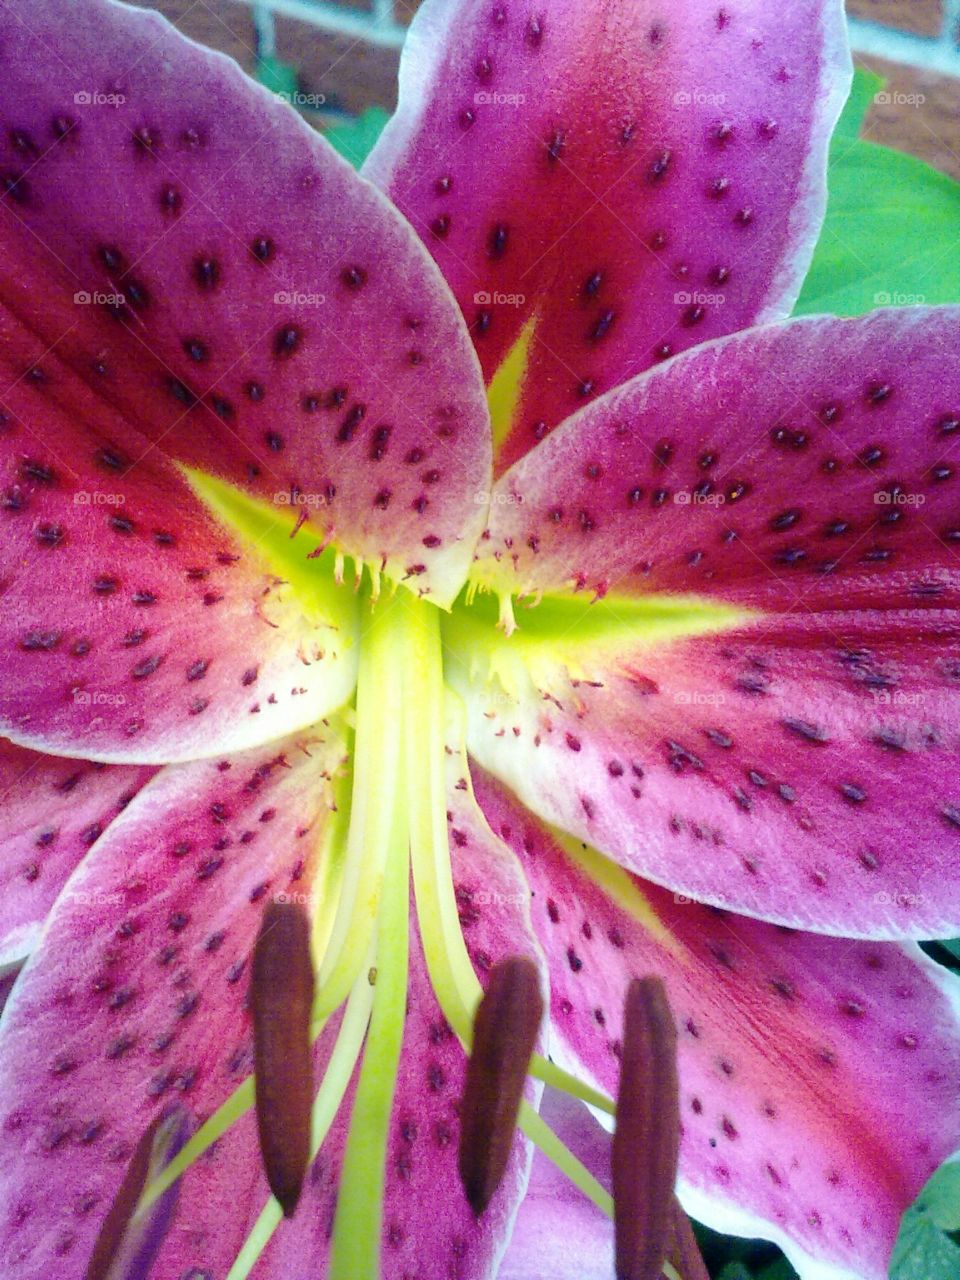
(558, 1232)
(801, 769)
(136, 993)
(798, 764)
(290, 336)
(53, 810)
(816, 1074)
(628, 182)
(135, 626)
(808, 465)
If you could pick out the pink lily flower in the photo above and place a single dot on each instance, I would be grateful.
(675, 694)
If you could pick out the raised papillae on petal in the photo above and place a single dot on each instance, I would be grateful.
(213, 271)
(627, 179)
(810, 464)
(817, 1075)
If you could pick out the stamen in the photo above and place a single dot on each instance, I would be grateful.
(358, 1225)
(130, 1238)
(647, 1136)
(337, 1076)
(504, 1034)
(684, 1250)
(373, 816)
(281, 999)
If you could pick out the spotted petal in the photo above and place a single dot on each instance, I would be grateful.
(559, 1232)
(135, 626)
(289, 334)
(805, 466)
(795, 760)
(802, 770)
(816, 1074)
(53, 810)
(628, 180)
(136, 993)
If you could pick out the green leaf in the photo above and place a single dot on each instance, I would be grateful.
(864, 89)
(925, 1248)
(940, 1198)
(889, 235)
(278, 76)
(355, 139)
(922, 1252)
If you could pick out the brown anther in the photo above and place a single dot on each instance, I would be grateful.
(647, 1137)
(281, 999)
(504, 1035)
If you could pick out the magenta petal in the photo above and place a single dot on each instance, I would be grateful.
(802, 769)
(817, 1074)
(638, 179)
(135, 627)
(799, 466)
(559, 1233)
(51, 811)
(137, 992)
(212, 268)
